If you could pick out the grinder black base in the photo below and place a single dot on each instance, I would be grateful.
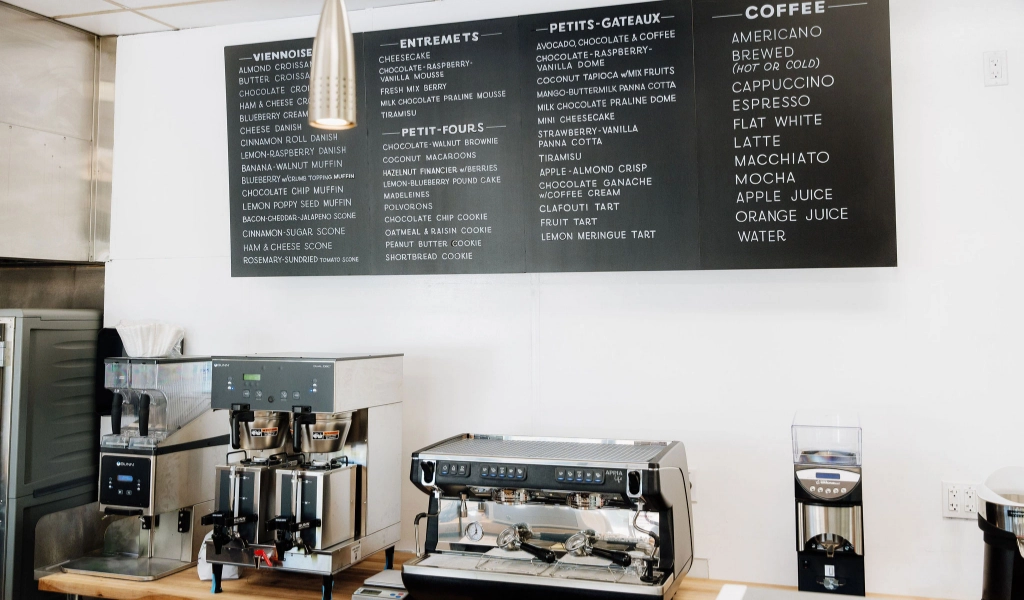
(1004, 566)
(846, 569)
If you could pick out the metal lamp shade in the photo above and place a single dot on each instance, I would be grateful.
(332, 84)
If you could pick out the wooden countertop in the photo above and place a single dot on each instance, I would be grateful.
(270, 585)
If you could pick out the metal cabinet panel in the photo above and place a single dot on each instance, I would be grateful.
(47, 72)
(46, 204)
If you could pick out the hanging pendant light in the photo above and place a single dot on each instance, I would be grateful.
(332, 83)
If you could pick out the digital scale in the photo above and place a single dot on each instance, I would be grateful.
(387, 584)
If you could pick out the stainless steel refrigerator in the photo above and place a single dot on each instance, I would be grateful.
(48, 431)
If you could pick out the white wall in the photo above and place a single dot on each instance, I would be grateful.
(929, 353)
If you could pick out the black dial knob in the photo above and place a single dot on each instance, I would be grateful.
(633, 483)
(428, 472)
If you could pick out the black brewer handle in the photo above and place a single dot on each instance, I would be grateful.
(144, 401)
(240, 413)
(301, 415)
(620, 558)
(542, 553)
(235, 443)
(115, 413)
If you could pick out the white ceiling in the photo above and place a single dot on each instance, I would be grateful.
(123, 17)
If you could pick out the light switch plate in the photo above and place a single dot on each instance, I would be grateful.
(996, 68)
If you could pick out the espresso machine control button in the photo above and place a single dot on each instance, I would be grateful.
(463, 470)
(598, 477)
(560, 475)
(444, 469)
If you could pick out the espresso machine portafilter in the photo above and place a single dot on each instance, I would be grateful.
(829, 504)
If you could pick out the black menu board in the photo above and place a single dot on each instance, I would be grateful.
(794, 104)
(445, 148)
(299, 196)
(608, 110)
(664, 135)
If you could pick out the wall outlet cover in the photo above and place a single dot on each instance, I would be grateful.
(959, 500)
(996, 68)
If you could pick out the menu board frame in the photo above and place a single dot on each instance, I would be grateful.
(592, 140)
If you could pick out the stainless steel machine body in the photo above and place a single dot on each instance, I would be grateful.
(155, 466)
(341, 460)
(327, 496)
(511, 516)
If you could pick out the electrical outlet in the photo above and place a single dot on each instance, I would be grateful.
(959, 500)
(969, 502)
(996, 71)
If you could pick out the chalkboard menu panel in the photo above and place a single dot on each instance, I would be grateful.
(445, 148)
(794, 106)
(664, 135)
(299, 200)
(611, 166)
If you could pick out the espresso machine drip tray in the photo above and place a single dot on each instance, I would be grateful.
(567, 571)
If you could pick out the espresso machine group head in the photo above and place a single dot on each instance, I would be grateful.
(313, 484)
(155, 464)
(829, 504)
(576, 519)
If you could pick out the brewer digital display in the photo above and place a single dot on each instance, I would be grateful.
(251, 377)
(125, 478)
(828, 475)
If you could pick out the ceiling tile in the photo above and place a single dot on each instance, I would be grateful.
(233, 11)
(52, 8)
(151, 3)
(118, 23)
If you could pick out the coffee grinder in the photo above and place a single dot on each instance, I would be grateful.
(154, 465)
(1001, 517)
(829, 504)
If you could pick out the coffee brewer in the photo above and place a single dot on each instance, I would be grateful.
(154, 465)
(1001, 517)
(315, 484)
(519, 517)
(829, 504)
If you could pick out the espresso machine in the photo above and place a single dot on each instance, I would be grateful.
(827, 457)
(1001, 517)
(511, 517)
(155, 465)
(314, 483)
